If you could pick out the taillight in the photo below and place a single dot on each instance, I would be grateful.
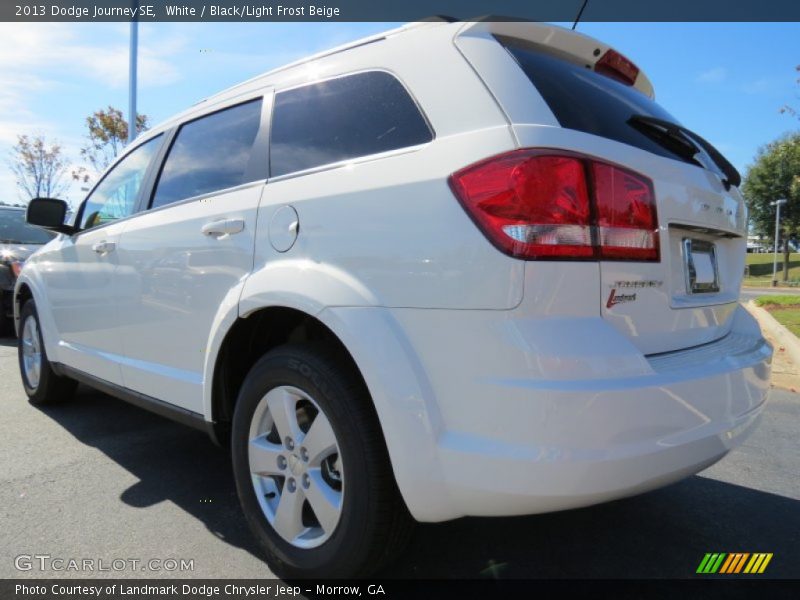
(627, 225)
(538, 204)
(612, 64)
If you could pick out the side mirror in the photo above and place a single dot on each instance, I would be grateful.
(50, 214)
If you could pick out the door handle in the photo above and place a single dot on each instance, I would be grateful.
(223, 227)
(104, 247)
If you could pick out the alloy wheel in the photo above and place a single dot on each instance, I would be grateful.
(296, 467)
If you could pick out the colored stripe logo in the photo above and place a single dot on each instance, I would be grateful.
(734, 563)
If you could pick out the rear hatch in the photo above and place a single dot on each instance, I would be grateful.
(686, 296)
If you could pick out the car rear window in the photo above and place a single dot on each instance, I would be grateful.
(14, 229)
(587, 101)
(343, 118)
(209, 154)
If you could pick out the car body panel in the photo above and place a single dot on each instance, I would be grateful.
(82, 296)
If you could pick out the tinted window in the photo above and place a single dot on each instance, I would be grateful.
(341, 119)
(14, 229)
(209, 154)
(115, 196)
(587, 101)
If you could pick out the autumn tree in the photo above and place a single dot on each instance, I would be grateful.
(106, 137)
(40, 167)
(792, 110)
(775, 174)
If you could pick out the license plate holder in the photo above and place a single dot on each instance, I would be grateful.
(700, 266)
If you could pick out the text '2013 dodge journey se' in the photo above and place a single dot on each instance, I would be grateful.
(453, 269)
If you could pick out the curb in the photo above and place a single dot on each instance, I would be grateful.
(782, 336)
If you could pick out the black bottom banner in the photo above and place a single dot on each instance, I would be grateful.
(178, 589)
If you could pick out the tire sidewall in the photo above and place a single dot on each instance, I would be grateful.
(29, 312)
(347, 543)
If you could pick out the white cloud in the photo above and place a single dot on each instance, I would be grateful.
(37, 58)
(65, 48)
(715, 75)
(759, 86)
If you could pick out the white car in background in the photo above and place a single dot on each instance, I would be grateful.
(452, 269)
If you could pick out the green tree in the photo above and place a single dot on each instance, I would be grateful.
(775, 174)
(39, 167)
(106, 137)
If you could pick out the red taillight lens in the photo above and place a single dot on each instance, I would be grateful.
(529, 205)
(627, 225)
(612, 64)
(536, 204)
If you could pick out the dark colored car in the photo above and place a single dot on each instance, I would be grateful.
(18, 241)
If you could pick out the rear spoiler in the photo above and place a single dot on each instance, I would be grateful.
(570, 45)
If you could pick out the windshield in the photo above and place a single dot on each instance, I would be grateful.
(14, 229)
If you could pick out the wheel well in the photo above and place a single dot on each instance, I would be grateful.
(248, 340)
(23, 295)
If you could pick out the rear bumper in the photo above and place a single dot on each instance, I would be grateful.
(511, 416)
(647, 435)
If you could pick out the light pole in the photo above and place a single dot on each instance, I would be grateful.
(132, 79)
(778, 204)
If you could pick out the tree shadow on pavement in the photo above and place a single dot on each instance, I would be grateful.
(660, 534)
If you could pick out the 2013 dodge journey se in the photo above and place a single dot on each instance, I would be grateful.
(453, 269)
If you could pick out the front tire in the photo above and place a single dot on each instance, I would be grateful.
(41, 383)
(6, 322)
(311, 467)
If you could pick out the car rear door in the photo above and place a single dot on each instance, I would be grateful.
(192, 249)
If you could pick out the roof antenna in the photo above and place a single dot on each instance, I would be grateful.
(580, 12)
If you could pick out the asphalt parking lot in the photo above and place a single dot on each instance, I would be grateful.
(97, 478)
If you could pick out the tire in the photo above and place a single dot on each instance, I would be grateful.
(373, 523)
(6, 330)
(6, 322)
(50, 387)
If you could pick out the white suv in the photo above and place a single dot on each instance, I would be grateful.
(453, 269)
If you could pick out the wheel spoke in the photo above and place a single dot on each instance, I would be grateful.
(324, 501)
(289, 515)
(283, 408)
(320, 441)
(264, 457)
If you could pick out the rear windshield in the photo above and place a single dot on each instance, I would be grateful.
(14, 229)
(587, 101)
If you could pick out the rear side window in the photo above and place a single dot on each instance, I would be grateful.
(587, 101)
(341, 119)
(209, 154)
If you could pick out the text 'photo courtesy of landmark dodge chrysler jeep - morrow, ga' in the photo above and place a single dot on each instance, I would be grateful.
(458, 268)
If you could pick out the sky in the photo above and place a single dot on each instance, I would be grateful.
(726, 81)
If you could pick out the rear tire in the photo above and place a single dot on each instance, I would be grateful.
(318, 390)
(41, 383)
